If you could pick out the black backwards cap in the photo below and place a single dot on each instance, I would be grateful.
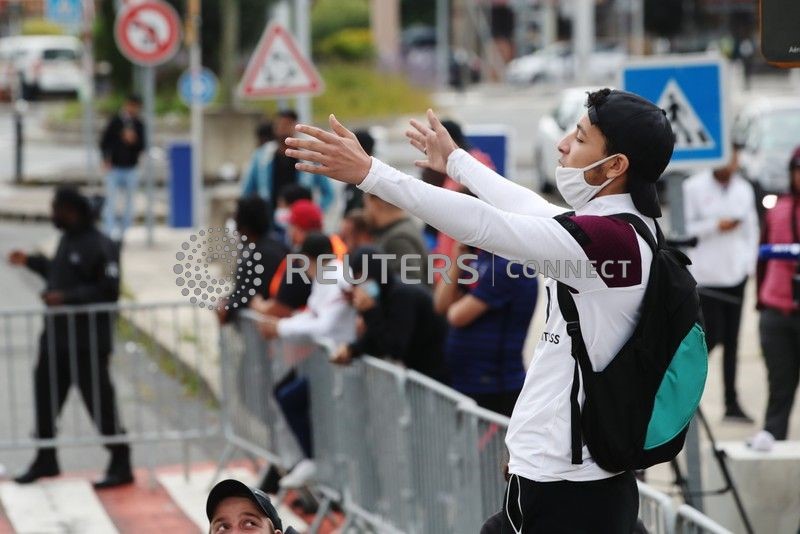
(636, 127)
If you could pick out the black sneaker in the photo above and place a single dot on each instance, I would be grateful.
(734, 414)
(45, 465)
(269, 484)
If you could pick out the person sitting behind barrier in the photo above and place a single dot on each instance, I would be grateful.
(253, 225)
(399, 319)
(235, 507)
(328, 317)
(305, 217)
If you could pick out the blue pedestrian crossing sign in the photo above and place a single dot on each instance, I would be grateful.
(692, 90)
(64, 12)
(205, 87)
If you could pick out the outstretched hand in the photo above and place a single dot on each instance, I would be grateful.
(336, 154)
(434, 141)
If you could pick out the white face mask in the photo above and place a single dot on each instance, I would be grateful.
(572, 184)
(282, 217)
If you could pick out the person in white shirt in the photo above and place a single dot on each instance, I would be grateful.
(609, 164)
(720, 211)
(329, 319)
(328, 316)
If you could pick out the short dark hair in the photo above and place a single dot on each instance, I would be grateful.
(291, 193)
(253, 213)
(316, 244)
(133, 98)
(598, 98)
(264, 132)
(287, 114)
(366, 140)
(359, 220)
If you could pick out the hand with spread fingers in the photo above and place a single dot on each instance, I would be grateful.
(434, 141)
(336, 154)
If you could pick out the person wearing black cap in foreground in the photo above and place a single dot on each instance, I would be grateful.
(233, 507)
(609, 165)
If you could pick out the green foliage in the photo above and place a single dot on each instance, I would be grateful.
(41, 27)
(357, 91)
(352, 44)
(105, 48)
(331, 16)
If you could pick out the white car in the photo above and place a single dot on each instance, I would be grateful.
(43, 63)
(556, 62)
(552, 128)
(769, 130)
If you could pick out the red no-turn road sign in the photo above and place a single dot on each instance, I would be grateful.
(148, 32)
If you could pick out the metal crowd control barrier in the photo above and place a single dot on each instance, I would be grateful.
(153, 354)
(484, 483)
(656, 510)
(397, 451)
(688, 520)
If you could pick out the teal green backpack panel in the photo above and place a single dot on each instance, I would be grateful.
(680, 391)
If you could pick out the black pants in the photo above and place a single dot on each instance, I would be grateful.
(780, 342)
(722, 319)
(608, 506)
(294, 400)
(502, 403)
(52, 380)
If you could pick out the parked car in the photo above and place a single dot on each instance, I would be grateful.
(768, 130)
(43, 63)
(418, 47)
(556, 62)
(552, 128)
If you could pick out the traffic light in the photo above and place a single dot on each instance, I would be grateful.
(663, 17)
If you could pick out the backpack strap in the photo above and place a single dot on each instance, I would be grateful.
(642, 229)
(570, 313)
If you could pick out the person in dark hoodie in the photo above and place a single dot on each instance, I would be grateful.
(399, 320)
(84, 270)
(122, 143)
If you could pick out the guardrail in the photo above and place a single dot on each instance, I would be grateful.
(395, 449)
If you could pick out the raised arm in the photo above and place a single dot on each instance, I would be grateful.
(496, 190)
(442, 154)
(467, 219)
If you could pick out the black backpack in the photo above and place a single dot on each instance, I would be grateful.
(637, 410)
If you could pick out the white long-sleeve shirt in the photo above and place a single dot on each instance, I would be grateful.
(328, 316)
(721, 259)
(518, 224)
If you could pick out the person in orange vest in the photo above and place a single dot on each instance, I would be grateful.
(304, 218)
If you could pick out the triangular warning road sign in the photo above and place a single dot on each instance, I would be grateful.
(277, 68)
(690, 132)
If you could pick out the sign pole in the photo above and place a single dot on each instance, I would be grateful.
(195, 67)
(88, 90)
(303, 32)
(149, 128)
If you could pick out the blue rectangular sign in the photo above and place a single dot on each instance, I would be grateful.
(692, 91)
(65, 12)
